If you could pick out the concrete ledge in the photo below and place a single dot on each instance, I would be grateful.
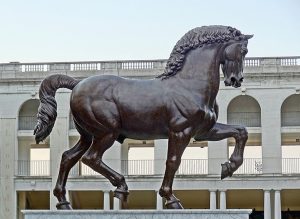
(138, 214)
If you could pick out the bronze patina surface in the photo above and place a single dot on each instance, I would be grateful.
(178, 105)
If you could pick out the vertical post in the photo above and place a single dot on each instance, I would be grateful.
(159, 201)
(271, 141)
(277, 205)
(117, 204)
(218, 150)
(59, 140)
(267, 204)
(7, 168)
(212, 199)
(106, 200)
(21, 203)
(222, 199)
(160, 156)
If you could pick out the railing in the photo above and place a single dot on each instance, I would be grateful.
(250, 166)
(34, 67)
(290, 61)
(146, 167)
(290, 118)
(249, 119)
(137, 65)
(193, 167)
(85, 66)
(251, 62)
(15, 67)
(138, 167)
(33, 168)
(27, 122)
(291, 165)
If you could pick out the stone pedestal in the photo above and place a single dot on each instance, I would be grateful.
(140, 214)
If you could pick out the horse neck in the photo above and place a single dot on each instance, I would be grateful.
(201, 70)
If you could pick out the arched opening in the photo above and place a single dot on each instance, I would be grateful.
(290, 111)
(27, 115)
(244, 110)
(33, 159)
(290, 134)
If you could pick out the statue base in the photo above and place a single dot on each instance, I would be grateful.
(137, 214)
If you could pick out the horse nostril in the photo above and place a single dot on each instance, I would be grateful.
(242, 79)
(232, 79)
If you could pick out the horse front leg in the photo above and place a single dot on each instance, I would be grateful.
(176, 146)
(221, 131)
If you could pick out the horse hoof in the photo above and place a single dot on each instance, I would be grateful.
(173, 204)
(122, 195)
(64, 205)
(226, 170)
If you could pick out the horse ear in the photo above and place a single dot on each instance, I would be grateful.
(247, 37)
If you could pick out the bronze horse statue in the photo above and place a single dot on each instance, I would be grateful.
(179, 104)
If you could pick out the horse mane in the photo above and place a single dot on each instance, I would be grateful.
(196, 38)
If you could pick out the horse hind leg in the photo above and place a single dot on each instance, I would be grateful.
(93, 158)
(68, 160)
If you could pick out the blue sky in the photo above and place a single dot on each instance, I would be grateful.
(74, 30)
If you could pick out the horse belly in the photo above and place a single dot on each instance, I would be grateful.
(144, 128)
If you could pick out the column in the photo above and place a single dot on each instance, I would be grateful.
(7, 168)
(21, 203)
(218, 150)
(59, 140)
(267, 204)
(112, 157)
(106, 200)
(277, 205)
(59, 143)
(160, 156)
(222, 199)
(212, 199)
(117, 204)
(271, 140)
(159, 201)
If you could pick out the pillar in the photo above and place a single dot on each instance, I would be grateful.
(277, 205)
(117, 204)
(112, 157)
(106, 200)
(267, 204)
(159, 201)
(160, 156)
(59, 141)
(21, 203)
(7, 168)
(213, 199)
(218, 150)
(271, 132)
(222, 199)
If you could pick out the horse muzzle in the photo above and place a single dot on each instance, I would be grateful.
(234, 81)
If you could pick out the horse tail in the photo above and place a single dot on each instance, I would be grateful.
(47, 111)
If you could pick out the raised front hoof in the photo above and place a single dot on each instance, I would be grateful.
(173, 204)
(65, 205)
(123, 196)
(226, 170)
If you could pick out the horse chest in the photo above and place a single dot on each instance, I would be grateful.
(204, 118)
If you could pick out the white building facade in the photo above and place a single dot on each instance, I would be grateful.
(268, 104)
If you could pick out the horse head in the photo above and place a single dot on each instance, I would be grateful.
(233, 60)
